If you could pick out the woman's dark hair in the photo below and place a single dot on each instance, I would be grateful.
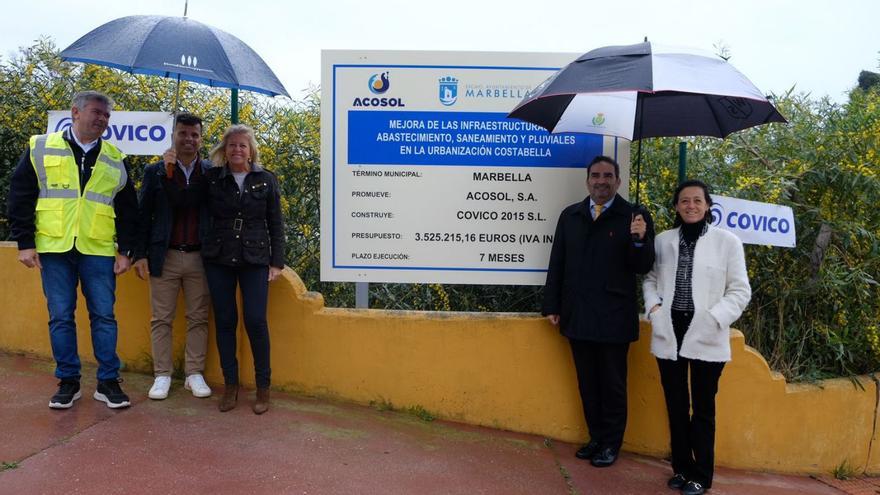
(706, 193)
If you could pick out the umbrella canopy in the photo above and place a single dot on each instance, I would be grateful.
(176, 47)
(647, 90)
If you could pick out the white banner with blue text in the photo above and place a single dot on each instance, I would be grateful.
(135, 133)
(755, 222)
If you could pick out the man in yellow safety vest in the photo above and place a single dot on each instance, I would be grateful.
(73, 212)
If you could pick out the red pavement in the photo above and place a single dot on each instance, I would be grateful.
(301, 446)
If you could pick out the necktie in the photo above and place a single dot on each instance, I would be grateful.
(598, 209)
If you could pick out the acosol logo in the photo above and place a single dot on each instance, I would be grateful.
(379, 83)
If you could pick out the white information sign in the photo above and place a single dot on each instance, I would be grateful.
(135, 133)
(424, 179)
(754, 222)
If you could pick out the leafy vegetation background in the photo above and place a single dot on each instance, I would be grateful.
(815, 308)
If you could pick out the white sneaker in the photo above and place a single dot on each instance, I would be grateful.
(160, 387)
(196, 383)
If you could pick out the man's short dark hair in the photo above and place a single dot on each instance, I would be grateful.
(606, 159)
(187, 118)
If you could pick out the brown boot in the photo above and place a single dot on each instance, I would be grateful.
(230, 397)
(262, 403)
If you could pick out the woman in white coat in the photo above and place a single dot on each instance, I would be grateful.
(698, 287)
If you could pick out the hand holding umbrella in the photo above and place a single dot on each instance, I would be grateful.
(170, 158)
(638, 227)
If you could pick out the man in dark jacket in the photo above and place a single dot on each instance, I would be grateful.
(168, 253)
(600, 245)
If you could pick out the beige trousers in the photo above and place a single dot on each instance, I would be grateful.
(181, 271)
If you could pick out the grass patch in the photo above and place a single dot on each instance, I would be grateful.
(382, 404)
(143, 363)
(421, 413)
(844, 470)
(179, 371)
(567, 477)
(8, 465)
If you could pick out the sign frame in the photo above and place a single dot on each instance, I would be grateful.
(336, 137)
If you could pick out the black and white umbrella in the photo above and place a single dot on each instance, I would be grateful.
(647, 90)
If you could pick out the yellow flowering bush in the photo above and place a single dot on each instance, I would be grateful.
(815, 307)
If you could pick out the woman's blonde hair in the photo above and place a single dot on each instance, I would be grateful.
(218, 152)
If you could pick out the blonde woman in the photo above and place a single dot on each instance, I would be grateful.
(243, 248)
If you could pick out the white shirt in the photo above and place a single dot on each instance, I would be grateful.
(86, 147)
(239, 179)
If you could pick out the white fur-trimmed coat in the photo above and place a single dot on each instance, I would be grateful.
(721, 291)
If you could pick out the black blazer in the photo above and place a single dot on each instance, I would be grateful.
(591, 279)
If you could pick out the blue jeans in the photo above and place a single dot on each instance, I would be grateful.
(254, 283)
(61, 273)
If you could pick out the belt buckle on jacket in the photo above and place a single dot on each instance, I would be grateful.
(237, 224)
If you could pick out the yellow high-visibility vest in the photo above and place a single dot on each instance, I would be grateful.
(65, 217)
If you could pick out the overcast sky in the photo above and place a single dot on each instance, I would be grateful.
(817, 46)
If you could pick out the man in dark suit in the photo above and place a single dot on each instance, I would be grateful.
(601, 243)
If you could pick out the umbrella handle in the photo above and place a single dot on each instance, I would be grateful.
(177, 95)
(639, 210)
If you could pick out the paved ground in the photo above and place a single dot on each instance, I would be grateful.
(301, 446)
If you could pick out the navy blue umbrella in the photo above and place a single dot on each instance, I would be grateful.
(176, 47)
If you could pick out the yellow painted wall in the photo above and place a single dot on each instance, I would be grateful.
(509, 371)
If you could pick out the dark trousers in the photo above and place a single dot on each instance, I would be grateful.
(601, 373)
(692, 435)
(254, 283)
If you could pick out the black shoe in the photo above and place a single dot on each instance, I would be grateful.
(677, 482)
(604, 457)
(68, 391)
(587, 451)
(693, 488)
(110, 392)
